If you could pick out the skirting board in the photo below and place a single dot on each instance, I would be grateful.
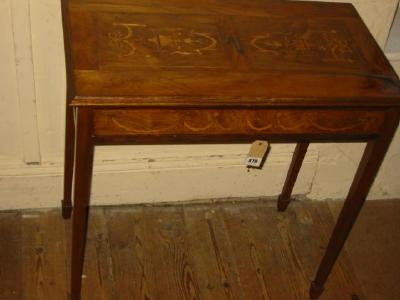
(158, 179)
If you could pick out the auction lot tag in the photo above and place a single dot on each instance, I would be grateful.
(256, 154)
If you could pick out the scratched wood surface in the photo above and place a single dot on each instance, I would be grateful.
(226, 250)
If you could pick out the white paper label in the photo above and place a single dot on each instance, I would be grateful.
(253, 161)
(256, 154)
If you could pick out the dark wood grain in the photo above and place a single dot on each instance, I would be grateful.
(158, 122)
(169, 254)
(376, 234)
(162, 72)
(133, 268)
(294, 168)
(223, 253)
(69, 147)
(11, 266)
(255, 242)
(212, 279)
(98, 267)
(69, 156)
(309, 227)
(371, 160)
(43, 244)
(258, 236)
(83, 176)
(141, 52)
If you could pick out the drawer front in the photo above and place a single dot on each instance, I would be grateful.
(239, 122)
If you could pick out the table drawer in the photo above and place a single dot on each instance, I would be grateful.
(219, 122)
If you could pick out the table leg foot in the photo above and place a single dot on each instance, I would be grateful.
(297, 160)
(283, 202)
(66, 208)
(315, 290)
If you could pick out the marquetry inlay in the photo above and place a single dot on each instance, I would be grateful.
(174, 41)
(293, 42)
(148, 41)
(160, 41)
(328, 45)
(213, 121)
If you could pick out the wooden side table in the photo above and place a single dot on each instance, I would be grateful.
(186, 71)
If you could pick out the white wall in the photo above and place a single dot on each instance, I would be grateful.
(393, 42)
(32, 145)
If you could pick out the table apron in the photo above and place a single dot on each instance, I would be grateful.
(165, 125)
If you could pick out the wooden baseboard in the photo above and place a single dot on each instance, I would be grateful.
(160, 179)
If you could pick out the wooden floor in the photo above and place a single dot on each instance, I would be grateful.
(227, 250)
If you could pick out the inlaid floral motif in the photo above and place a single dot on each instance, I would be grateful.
(127, 38)
(326, 45)
(237, 121)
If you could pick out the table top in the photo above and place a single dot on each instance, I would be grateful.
(216, 53)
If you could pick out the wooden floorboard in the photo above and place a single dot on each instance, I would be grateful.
(10, 256)
(134, 276)
(225, 250)
(210, 269)
(98, 278)
(43, 255)
(374, 247)
(255, 240)
(343, 282)
(165, 233)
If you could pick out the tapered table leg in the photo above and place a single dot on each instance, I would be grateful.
(297, 160)
(83, 175)
(371, 160)
(69, 156)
